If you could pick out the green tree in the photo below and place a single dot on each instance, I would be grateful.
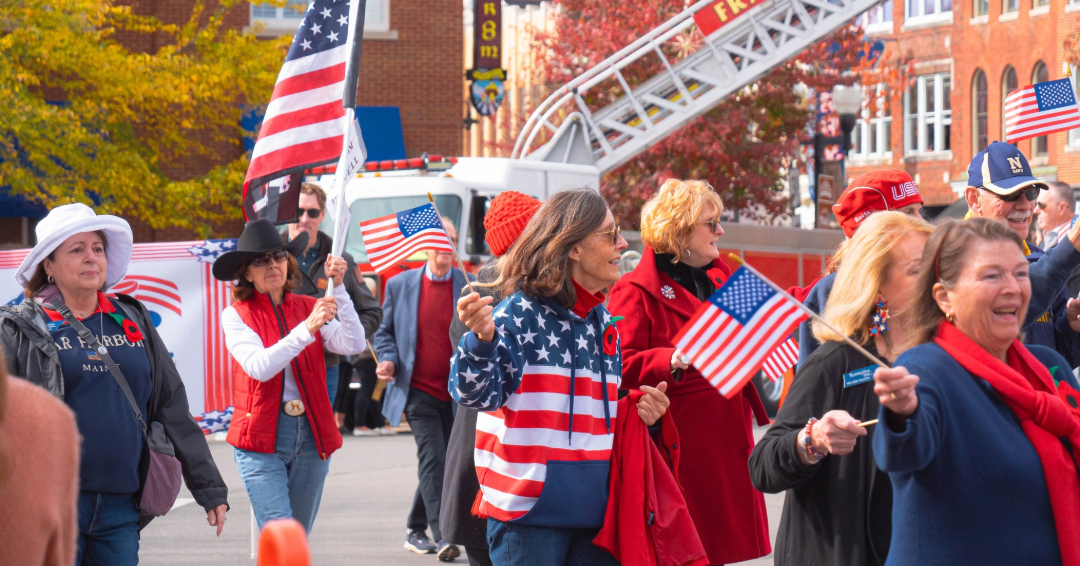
(86, 119)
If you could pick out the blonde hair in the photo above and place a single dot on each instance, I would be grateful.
(867, 259)
(668, 218)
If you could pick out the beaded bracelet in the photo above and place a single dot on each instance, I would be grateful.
(808, 444)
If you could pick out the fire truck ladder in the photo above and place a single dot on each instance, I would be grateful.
(734, 56)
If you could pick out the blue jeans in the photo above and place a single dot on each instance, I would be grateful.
(108, 530)
(521, 545)
(331, 382)
(289, 482)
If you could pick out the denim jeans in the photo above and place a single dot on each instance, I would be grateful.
(521, 545)
(108, 530)
(289, 482)
(332, 374)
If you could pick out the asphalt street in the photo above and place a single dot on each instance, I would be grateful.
(361, 522)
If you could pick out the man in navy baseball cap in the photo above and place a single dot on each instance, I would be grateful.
(1001, 186)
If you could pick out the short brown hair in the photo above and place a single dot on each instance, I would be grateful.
(243, 289)
(313, 189)
(40, 279)
(943, 260)
(537, 263)
(668, 218)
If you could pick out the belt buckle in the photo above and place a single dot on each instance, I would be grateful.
(293, 407)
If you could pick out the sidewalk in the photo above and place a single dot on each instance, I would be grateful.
(367, 496)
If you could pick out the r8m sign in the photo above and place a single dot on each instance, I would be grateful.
(720, 13)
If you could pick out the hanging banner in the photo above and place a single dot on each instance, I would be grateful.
(487, 73)
(173, 281)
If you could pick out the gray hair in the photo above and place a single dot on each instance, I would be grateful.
(1064, 193)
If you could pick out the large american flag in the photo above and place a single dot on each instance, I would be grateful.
(393, 238)
(730, 335)
(303, 126)
(1041, 109)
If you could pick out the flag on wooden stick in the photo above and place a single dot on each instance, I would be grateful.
(1041, 109)
(783, 358)
(393, 238)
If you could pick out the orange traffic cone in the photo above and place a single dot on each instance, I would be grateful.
(283, 542)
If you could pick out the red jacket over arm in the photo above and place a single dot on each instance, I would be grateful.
(716, 433)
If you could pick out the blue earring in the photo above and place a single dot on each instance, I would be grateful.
(879, 324)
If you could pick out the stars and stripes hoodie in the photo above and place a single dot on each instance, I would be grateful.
(548, 397)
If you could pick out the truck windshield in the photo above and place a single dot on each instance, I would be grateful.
(368, 208)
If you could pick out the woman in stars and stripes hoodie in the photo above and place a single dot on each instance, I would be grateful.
(542, 454)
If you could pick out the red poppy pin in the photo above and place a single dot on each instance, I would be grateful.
(131, 330)
(716, 276)
(1071, 398)
(611, 337)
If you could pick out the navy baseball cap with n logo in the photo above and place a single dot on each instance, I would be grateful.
(1003, 169)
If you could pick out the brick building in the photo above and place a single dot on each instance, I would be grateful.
(963, 58)
(411, 61)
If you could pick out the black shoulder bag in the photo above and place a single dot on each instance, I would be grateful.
(163, 476)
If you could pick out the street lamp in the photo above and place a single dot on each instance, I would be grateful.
(847, 101)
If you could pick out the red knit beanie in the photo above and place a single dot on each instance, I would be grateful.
(506, 218)
(876, 191)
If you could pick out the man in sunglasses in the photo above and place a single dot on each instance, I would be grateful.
(1001, 186)
(313, 280)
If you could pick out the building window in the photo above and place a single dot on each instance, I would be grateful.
(981, 7)
(929, 9)
(287, 18)
(1040, 75)
(979, 106)
(870, 138)
(928, 114)
(1039, 3)
(1009, 6)
(877, 18)
(1008, 84)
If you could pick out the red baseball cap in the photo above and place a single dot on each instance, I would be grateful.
(876, 191)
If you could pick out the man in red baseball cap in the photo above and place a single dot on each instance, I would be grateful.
(876, 191)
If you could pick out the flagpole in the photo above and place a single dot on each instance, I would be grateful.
(452, 246)
(812, 314)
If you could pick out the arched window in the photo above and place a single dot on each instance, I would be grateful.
(1040, 75)
(979, 106)
(1008, 84)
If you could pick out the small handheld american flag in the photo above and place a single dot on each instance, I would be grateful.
(731, 334)
(394, 237)
(783, 358)
(1041, 109)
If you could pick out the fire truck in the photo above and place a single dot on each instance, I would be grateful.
(566, 144)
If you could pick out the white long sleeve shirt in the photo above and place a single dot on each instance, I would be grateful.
(344, 336)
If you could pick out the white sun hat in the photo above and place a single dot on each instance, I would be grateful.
(64, 222)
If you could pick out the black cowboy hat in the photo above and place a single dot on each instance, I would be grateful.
(259, 237)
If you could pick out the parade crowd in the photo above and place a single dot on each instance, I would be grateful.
(934, 417)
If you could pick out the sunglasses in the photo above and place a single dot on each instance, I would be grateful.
(712, 224)
(265, 259)
(1031, 193)
(614, 233)
(311, 212)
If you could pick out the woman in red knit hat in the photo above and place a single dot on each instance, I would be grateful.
(506, 219)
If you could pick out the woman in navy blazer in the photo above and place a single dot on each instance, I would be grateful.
(978, 433)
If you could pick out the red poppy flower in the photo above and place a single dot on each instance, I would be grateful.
(716, 276)
(131, 330)
(611, 340)
(1071, 398)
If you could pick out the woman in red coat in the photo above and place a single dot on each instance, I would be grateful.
(679, 269)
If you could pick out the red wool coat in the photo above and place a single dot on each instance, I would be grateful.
(716, 433)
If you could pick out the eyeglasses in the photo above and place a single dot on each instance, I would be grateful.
(712, 224)
(265, 259)
(614, 233)
(1041, 205)
(1031, 193)
(312, 213)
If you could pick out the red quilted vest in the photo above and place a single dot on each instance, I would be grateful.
(256, 404)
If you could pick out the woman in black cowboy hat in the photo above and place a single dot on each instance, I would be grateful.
(283, 427)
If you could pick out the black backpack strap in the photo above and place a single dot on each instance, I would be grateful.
(103, 352)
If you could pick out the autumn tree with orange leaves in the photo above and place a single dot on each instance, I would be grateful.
(743, 145)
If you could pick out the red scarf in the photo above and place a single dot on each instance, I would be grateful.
(1027, 388)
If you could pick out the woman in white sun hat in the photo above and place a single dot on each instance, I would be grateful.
(104, 358)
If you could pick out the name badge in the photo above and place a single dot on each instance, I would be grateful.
(859, 376)
(321, 283)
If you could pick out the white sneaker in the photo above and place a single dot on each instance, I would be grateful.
(364, 431)
(385, 431)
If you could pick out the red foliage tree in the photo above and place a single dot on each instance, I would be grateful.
(741, 146)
